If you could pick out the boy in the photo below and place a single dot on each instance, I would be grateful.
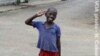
(49, 33)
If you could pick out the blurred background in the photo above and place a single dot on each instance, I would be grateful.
(75, 18)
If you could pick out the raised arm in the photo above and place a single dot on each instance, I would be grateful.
(29, 20)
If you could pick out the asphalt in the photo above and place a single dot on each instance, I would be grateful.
(12, 7)
(75, 18)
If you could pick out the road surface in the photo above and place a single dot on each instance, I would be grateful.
(75, 17)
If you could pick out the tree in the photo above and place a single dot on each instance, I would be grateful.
(26, 1)
(17, 2)
(63, 0)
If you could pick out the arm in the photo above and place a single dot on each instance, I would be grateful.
(29, 20)
(59, 45)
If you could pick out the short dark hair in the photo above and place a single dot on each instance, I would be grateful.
(51, 9)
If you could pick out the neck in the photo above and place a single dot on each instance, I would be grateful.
(49, 23)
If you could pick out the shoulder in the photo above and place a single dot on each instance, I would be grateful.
(58, 30)
(57, 26)
(37, 23)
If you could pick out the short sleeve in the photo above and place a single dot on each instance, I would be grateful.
(36, 24)
(58, 32)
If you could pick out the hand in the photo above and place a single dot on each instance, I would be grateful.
(40, 13)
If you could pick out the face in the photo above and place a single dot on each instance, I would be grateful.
(51, 16)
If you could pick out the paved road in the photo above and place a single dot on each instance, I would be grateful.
(75, 17)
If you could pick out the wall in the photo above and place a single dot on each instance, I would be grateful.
(6, 1)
